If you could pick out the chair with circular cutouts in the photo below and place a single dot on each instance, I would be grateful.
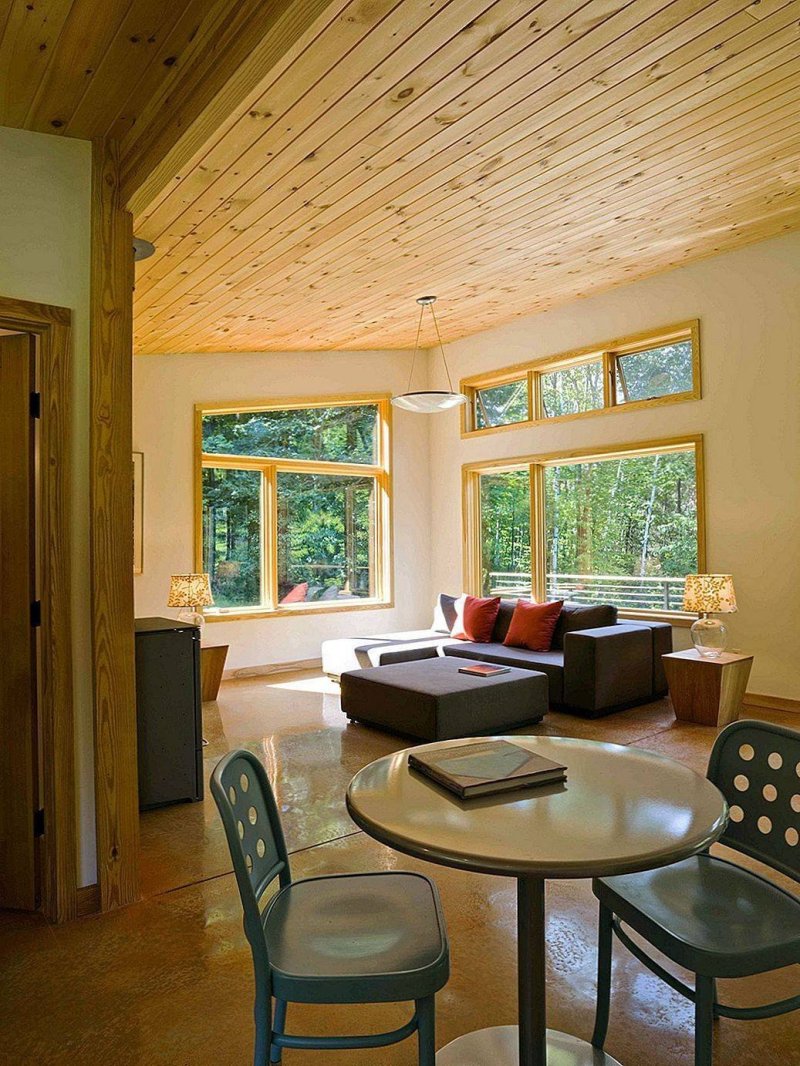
(342, 938)
(708, 914)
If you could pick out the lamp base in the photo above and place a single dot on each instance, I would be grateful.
(191, 616)
(709, 636)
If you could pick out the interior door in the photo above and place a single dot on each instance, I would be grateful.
(18, 751)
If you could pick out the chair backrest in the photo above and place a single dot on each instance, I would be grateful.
(246, 803)
(756, 766)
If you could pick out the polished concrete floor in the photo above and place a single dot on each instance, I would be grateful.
(168, 981)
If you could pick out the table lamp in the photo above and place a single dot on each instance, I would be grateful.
(190, 592)
(708, 594)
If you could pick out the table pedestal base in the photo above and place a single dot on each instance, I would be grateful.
(499, 1046)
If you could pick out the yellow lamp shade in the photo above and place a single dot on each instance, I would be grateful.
(709, 594)
(190, 590)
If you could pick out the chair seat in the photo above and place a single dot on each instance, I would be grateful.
(709, 915)
(357, 938)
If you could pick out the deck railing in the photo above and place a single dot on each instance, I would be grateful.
(632, 593)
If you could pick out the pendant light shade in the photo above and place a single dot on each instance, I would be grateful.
(429, 401)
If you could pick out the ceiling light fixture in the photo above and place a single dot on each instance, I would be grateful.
(431, 401)
(142, 249)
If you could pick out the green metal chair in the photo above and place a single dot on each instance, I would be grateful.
(711, 916)
(347, 938)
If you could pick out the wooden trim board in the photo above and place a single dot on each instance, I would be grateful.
(771, 703)
(111, 537)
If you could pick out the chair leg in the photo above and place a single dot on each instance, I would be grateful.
(262, 1014)
(604, 949)
(426, 1033)
(703, 1021)
(278, 1026)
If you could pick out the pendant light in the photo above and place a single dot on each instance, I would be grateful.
(431, 401)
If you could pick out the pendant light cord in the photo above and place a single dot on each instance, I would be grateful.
(416, 346)
(441, 349)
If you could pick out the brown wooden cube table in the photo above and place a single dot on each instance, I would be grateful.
(707, 691)
(212, 663)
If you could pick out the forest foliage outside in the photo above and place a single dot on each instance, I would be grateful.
(624, 517)
(325, 523)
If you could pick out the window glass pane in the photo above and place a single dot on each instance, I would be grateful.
(330, 434)
(622, 531)
(325, 538)
(232, 535)
(573, 389)
(659, 371)
(506, 534)
(501, 405)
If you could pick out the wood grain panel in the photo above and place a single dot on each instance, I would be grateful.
(51, 325)
(116, 792)
(18, 786)
(541, 152)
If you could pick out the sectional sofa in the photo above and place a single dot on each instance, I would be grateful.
(596, 664)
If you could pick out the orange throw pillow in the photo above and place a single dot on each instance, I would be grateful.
(532, 625)
(475, 618)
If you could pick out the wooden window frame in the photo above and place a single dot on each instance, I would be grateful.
(536, 464)
(608, 353)
(380, 471)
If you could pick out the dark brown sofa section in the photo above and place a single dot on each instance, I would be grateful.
(596, 665)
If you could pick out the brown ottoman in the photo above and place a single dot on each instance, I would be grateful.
(431, 700)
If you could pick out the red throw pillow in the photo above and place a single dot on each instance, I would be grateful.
(532, 625)
(475, 618)
(297, 594)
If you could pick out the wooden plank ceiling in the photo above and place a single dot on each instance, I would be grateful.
(508, 156)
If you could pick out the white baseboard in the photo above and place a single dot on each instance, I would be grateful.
(273, 668)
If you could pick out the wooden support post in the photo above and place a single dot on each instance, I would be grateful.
(111, 536)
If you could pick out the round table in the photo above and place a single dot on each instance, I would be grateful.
(621, 810)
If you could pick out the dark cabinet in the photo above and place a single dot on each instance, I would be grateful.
(169, 712)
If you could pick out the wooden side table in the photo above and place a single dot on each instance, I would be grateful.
(707, 691)
(212, 664)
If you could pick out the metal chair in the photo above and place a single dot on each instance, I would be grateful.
(347, 938)
(711, 916)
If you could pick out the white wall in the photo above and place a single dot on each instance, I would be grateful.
(748, 303)
(166, 387)
(45, 207)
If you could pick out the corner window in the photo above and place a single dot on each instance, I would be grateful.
(294, 507)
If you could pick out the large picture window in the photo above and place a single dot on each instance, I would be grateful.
(294, 505)
(623, 526)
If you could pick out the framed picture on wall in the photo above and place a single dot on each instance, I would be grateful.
(138, 512)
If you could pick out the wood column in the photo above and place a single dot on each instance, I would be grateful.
(111, 535)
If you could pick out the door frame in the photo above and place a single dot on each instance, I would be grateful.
(51, 326)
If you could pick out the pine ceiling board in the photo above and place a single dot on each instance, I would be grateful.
(515, 199)
(255, 39)
(198, 171)
(519, 212)
(391, 100)
(133, 49)
(27, 49)
(456, 277)
(685, 89)
(289, 256)
(591, 252)
(85, 38)
(368, 191)
(347, 59)
(543, 231)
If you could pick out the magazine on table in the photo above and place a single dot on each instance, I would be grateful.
(486, 768)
